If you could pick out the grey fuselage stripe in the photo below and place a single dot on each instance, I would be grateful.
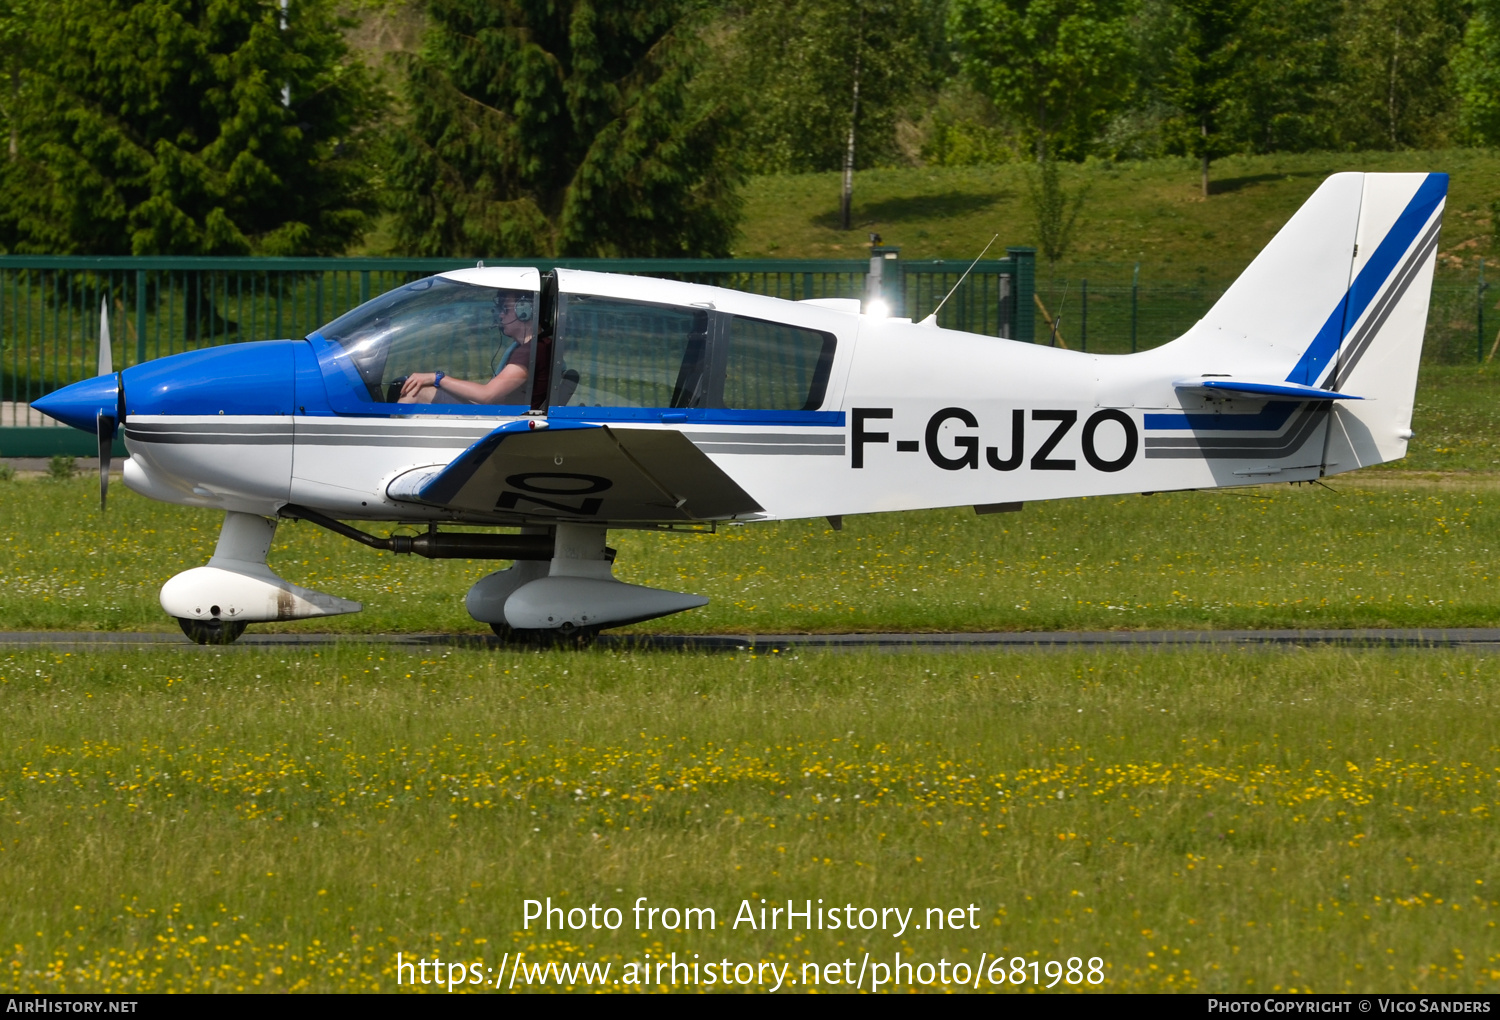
(768, 438)
(212, 428)
(277, 433)
(389, 430)
(454, 443)
(775, 451)
(1285, 445)
(221, 435)
(251, 438)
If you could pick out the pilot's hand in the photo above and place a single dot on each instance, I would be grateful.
(416, 381)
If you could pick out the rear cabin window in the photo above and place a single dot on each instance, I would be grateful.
(617, 353)
(629, 354)
(775, 367)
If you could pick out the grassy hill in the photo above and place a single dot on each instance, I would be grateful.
(1150, 211)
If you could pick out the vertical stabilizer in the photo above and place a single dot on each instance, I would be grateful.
(1281, 318)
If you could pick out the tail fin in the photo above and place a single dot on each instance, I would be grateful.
(1338, 300)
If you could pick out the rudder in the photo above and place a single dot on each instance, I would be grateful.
(1385, 319)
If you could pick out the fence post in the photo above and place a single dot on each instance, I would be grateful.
(1006, 304)
(1024, 260)
(140, 316)
(1135, 290)
(1479, 300)
(1083, 325)
(364, 286)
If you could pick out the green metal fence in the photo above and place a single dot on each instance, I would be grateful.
(1115, 308)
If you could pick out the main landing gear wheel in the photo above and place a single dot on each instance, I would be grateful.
(211, 632)
(572, 637)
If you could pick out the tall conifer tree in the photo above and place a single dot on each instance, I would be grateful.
(1205, 76)
(189, 127)
(562, 127)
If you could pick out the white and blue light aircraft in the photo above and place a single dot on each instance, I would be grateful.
(562, 404)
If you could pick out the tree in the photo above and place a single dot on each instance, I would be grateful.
(1477, 75)
(1203, 76)
(825, 81)
(1398, 84)
(563, 127)
(1061, 67)
(192, 127)
(1284, 97)
(16, 22)
(1055, 209)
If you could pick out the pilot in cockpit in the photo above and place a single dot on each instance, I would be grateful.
(510, 385)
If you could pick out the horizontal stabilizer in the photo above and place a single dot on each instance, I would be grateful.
(1263, 389)
(578, 471)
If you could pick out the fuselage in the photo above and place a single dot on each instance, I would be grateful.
(810, 410)
(909, 416)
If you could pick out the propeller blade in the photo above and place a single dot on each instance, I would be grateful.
(105, 425)
(106, 356)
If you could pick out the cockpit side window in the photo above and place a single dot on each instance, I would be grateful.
(630, 354)
(614, 353)
(467, 332)
(771, 366)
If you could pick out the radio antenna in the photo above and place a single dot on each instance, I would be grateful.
(933, 317)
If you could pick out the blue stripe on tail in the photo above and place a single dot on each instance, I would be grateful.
(1370, 282)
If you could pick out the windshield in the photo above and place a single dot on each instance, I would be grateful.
(478, 338)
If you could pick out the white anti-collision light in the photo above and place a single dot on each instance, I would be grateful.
(877, 309)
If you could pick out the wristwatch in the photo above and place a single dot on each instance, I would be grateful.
(437, 380)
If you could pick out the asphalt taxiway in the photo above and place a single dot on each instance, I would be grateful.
(1471, 638)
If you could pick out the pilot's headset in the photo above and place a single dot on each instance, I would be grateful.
(525, 305)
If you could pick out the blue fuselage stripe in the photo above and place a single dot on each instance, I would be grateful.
(1267, 419)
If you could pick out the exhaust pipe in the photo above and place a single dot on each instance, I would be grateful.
(463, 545)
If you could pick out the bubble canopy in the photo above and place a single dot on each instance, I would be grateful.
(467, 331)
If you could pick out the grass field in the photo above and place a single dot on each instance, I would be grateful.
(1391, 551)
(1410, 544)
(1311, 821)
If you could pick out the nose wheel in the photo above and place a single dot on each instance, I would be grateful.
(211, 632)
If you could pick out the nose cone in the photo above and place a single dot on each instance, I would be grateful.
(80, 404)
